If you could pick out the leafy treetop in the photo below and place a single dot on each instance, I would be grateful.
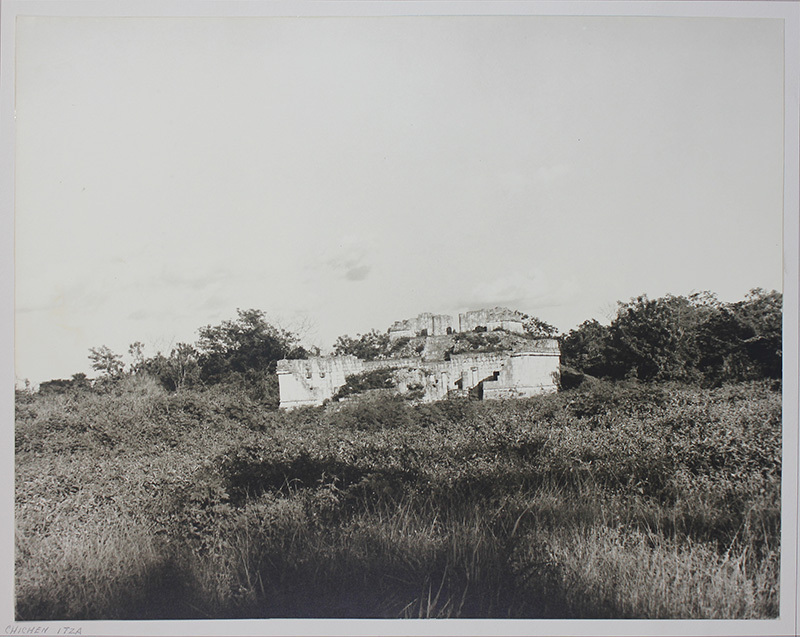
(370, 346)
(247, 343)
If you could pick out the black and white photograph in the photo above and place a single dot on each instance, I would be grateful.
(391, 311)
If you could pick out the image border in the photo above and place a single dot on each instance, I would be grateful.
(786, 624)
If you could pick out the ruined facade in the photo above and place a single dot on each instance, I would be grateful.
(425, 324)
(495, 318)
(491, 375)
(531, 370)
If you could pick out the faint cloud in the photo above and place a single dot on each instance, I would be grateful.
(520, 290)
(215, 302)
(192, 280)
(160, 313)
(349, 260)
(358, 273)
(80, 296)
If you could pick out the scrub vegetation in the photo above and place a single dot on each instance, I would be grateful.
(169, 491)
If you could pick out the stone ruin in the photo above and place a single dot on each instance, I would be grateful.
(531, 369)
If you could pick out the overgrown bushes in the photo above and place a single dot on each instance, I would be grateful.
(694, 339)
(364, 381)
(613, 500)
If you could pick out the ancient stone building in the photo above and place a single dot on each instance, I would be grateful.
(425, 324)
(531, 369)
(495, 318)
(490, 375)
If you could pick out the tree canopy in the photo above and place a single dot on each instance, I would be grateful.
(370, 346)
(245, 344)
(106, 362)
(694, 338)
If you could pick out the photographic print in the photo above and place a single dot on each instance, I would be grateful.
(431, 315)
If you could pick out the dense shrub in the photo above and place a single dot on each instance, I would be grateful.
(609, 500)
(695, 338)
(370, 346)
(399, 344)
(364, 381)
(378, 412)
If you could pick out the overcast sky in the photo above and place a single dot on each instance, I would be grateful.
(343, 173)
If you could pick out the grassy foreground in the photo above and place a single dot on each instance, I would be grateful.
(648, 501)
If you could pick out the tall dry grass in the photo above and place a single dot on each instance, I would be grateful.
(618, 572)
(613, 501)
(104, 565)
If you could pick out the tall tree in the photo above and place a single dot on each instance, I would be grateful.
(136, 351)
(586, 348)
(655, 339)
(178, 371)
(369, 346)
(245, 344)
(743, 341)
(694, 338)
(106, 362)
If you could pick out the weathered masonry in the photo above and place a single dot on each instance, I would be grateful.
(527, 372)
(312, 381)
(427, 324)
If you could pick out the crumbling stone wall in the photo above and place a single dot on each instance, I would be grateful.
(494, 375)
(494, 318)
(425, 324)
